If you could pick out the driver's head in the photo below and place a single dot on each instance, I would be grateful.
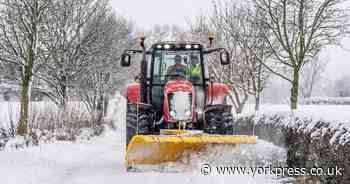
(178, 59)
(194, 60)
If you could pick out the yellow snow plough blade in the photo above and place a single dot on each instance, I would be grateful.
(156, 149)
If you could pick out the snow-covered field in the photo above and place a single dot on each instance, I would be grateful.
(101, 161)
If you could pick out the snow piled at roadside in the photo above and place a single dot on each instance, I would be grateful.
(255, 155)
(319, 120)
(317, 112)
(326, 101)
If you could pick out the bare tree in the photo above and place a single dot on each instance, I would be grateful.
(342, 86)
(21, 30)
(300, 30)
(100, 80)
(312, 74)
(69, 43)
(239, 32)
(199, 28)
(165, 33)
(240, 26)
(158, 33)
(232, 75)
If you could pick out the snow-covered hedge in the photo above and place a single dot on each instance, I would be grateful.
(65, 125)
(50, 125)
(309, 142)
(327, 101)
(4, 137)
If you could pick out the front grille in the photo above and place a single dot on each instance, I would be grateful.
(180, 105)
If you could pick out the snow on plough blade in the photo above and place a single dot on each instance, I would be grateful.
(157, 149)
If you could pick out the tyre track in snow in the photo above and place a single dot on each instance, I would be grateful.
(100, 162)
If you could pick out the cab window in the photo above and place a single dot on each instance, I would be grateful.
(170, 64)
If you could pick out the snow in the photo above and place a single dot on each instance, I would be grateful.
(9, 111)
(60, 162)
(17, 142)
(327, 101)
(335, 119)
(101, 160)
(324, 112)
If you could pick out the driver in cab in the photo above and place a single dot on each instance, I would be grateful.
(178, 69)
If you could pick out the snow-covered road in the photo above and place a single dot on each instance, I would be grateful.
(101, 159)
(96, 161)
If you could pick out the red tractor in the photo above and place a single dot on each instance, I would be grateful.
(175, 94)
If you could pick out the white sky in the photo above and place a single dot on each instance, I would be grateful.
(147, 13)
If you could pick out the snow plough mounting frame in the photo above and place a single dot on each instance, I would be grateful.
(170, 115)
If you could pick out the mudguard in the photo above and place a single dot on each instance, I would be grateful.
(132, 92)
(216, 93)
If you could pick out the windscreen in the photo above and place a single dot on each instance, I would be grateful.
(175, 64)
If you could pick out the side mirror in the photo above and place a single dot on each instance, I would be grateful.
(125, 60)
(224, 58)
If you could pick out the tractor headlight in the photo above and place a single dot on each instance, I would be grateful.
(166, 46)
(173, 114)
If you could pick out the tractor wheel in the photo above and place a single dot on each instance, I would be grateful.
(219, 123)
(143, 126)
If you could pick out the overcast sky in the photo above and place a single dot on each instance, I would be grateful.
(146, 13)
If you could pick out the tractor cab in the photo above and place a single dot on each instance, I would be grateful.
(174, 65)
(177, 62)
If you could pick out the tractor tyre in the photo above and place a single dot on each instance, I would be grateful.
(137, 123)
(218, 122)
